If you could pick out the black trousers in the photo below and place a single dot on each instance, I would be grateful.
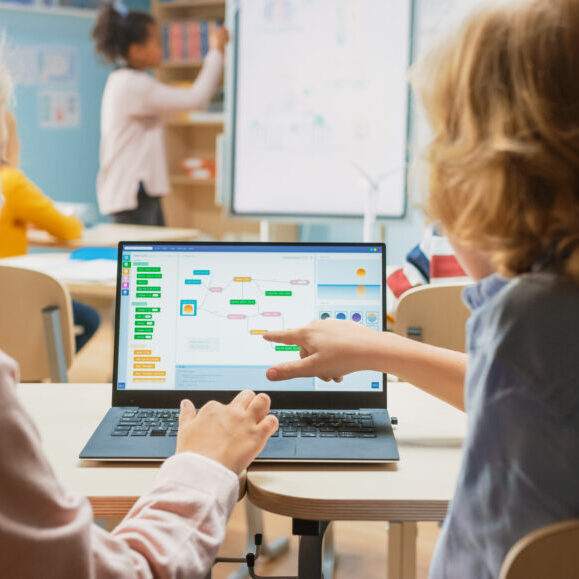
(148, 211)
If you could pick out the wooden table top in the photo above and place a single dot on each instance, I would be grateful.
(429, 436)
(109, 235)
(105, 290)
(417, 488)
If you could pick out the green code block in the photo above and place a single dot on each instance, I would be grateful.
(143, 316)
(149, 275)
(126, 264)
(141, 323)
(158, 269)
(287, 348)
(154, 310)
(282, 293)
(143, 337)
(142, 282)
(148, 295)
(144, 330)
(242, 302)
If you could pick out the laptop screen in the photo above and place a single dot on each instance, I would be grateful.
(192, 316)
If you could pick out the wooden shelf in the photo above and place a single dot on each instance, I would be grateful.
(180, 4)
(173, 64)
(184, 180)
(192, 201)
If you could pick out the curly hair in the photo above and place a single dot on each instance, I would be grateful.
(115, 31)
(502, 99)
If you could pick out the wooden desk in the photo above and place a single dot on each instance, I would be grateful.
(66, 416)
(109, 235)
(81, 290)
(418, 488)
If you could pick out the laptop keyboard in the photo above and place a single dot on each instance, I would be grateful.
(324, 424)
(292, 423)
(150, 422)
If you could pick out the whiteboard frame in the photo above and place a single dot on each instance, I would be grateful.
(227, 168)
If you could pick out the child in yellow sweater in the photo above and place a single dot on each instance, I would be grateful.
(25, 204)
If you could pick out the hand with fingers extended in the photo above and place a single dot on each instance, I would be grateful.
(232, 434)
(328, 349)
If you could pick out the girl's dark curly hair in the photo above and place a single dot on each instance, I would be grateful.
(114, 31)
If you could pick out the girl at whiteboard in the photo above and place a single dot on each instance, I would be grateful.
(133, 166)
(502, 98)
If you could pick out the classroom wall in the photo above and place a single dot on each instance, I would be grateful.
(62, 161)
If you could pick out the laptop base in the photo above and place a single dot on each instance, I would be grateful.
(102, 446)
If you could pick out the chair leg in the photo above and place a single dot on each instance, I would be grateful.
(329, 555)
(254, 518)
(55, 344)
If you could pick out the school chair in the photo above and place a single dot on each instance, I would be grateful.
(36, 327)
(434, 314)
(552, 551)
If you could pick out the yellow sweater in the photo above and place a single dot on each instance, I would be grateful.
(25, 204)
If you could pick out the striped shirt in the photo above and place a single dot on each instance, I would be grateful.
(431, 261)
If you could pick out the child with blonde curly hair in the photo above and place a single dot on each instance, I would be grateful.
(502, 98)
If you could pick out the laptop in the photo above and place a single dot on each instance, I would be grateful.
(189, 324)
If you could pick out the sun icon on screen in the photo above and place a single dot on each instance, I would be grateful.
(361, 272)
(188, 309)
(360, 291)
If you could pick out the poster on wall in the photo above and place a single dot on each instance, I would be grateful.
(22, 62)
(58, 65)
(59, 109)
(53, 73)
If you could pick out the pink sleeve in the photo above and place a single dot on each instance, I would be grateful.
(162, 98)
(173, 531)
(179, 526)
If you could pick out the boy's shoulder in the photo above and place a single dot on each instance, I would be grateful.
(538, 300)
(532, 327)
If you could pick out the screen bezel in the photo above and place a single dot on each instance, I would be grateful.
(285, 399)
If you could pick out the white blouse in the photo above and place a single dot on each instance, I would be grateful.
(132, 149)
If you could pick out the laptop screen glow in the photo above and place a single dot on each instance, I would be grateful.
(192, 316)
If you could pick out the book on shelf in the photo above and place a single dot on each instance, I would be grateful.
(199, 168)
(187, 40)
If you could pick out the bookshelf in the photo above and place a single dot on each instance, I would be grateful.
(192, 202)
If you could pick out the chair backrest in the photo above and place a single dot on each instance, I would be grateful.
(28, 299)
(434, 314)
(551, 551)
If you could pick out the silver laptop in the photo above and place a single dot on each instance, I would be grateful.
(189, 324)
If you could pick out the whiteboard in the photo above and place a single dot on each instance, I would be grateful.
(319, 96)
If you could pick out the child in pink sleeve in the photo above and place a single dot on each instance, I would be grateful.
(173, 531)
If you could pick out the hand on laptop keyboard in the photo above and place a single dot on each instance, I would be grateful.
(232, 435)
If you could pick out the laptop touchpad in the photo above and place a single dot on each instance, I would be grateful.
(279, 447)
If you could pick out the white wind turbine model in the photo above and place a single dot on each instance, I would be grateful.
(372, 193)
